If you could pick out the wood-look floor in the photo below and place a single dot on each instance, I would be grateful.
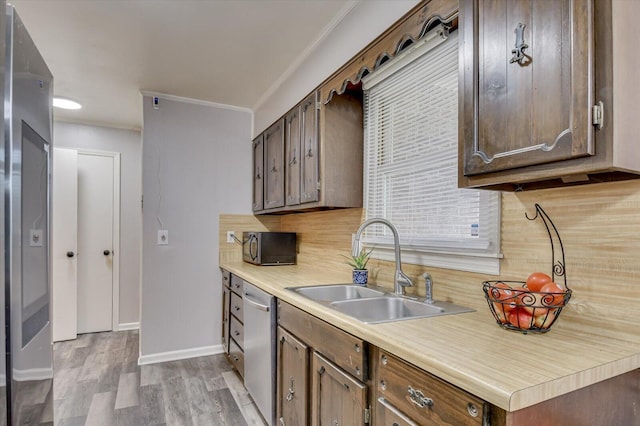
(97, 382)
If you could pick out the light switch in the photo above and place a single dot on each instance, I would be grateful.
(163, 237)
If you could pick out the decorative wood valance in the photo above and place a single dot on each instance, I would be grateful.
(410, 28)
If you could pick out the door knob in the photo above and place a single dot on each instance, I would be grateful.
(106, 252)
(70, 254)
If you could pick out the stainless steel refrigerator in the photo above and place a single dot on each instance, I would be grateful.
(26, 375)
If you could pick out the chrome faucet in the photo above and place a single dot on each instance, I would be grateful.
(400, 279)
(428, 283)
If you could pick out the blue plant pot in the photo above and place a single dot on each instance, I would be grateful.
(360, 276)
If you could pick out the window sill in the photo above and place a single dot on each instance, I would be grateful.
(470, 262)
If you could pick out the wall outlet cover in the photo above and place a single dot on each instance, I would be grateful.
(231, 236)
(163, 237)
(35, 237)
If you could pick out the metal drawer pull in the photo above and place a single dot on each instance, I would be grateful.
(236, 332)
(418, 398)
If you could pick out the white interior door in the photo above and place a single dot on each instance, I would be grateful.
(95, 242)
(64, 240)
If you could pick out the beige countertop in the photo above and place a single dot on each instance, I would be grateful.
(507, 369)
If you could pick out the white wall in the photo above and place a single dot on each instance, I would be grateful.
(129, 144)
(196, 164)
(366, 21)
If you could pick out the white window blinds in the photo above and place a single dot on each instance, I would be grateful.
(411, 160)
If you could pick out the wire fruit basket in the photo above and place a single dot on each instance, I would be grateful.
(515, 307)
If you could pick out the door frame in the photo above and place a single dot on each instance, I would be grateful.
(115, 281)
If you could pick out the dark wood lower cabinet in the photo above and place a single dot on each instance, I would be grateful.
(337, 399)
(293, 383)
(423, 398)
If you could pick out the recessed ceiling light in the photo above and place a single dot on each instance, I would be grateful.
(65, 103)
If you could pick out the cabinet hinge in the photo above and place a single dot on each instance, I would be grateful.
(318, 105)
(367, 414)
(318, 186)
(598, 115)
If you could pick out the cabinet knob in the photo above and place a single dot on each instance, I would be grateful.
(472, 410)
(106, 252)
(70, 254)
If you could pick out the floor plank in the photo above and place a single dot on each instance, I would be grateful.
(97, 381)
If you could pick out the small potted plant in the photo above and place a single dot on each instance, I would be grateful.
(359, 265)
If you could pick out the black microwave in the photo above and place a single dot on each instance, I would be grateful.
(269, 248)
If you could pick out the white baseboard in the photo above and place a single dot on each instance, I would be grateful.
(32, 374)
(129, 326)
(181, 354)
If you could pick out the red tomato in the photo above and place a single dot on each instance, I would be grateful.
(554, 294)
(545, 320)
(500, 291)
(537, 280)
(521, 295)
(521, 319)
(501, 312)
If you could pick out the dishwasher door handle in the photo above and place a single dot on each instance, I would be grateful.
(255, 304)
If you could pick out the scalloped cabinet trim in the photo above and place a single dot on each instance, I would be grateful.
(410, 28)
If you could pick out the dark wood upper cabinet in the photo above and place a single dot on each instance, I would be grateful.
(293, 156)
(274, 166)
(531, 73)
(258, 173)
(539, 96)
(310, 156)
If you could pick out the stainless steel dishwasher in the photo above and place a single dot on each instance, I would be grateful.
(260, 349)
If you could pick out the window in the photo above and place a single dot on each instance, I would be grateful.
(411, 163)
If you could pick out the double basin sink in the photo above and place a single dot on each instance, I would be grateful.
(373, 306)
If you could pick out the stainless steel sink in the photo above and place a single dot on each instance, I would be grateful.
(330, 293)
(393, 308)
(375, 306)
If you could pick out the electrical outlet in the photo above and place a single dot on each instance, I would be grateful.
(35, 238)
(231, 236)
(163, 237)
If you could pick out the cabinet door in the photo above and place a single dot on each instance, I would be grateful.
(311, 154)
(258, 173)
(337, 399)
(226, 299)
(274, 166)
(526, 90)
(292, 153)
(292, 371)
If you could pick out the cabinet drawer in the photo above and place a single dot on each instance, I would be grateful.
(387, 414)
(237, 332)
(423, 397)
(236, 307)
(341, 348)
(236, 356)
(226, 278)
(236, 285)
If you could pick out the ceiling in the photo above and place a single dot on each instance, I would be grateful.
(102, 53)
